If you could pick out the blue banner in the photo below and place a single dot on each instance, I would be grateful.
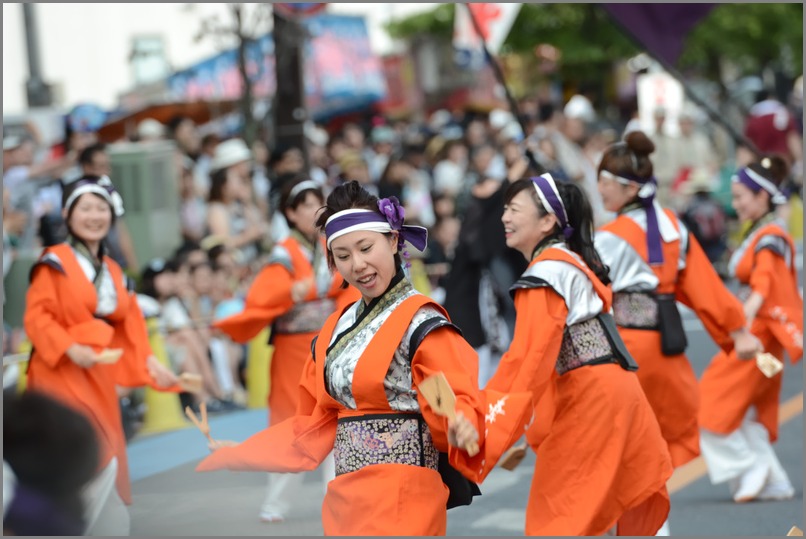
(341, 72)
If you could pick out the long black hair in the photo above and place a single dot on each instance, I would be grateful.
(580, 217)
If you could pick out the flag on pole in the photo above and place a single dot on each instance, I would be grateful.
(660, 28)
(494, 20)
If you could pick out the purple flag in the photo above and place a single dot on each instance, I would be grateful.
(660, 28)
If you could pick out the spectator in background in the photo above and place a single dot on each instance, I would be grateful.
(665, 157)
(13, 226)
(201, 168)
(192, 206)
(285, 163)
(705, 217)
(383, 140)
(182, 130)
(354, 167)
(19, 171)
(230, 215)
(482, 271)
(261, 184)
(450, 170)
(771, 127)
(186, 351)
(694, 151)
(440, 252)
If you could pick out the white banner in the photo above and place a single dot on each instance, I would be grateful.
(494, 21)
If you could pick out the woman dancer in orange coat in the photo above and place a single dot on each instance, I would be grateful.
(359, 393)
(654, 262)
(294, 294)
(603, 463)
(78, 304)
(739, 410)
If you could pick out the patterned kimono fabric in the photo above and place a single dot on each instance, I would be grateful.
(684, 275)
(358, 398)
(601, 460)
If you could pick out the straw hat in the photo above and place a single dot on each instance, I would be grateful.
(228, 153)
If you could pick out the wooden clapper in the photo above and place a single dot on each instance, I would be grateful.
(441, 398)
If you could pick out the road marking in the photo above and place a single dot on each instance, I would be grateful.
(692, 471)
(502, 519)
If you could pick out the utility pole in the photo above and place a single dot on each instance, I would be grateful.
(290, 113)
(37, 91)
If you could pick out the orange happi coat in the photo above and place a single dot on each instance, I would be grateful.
(391, 498)
(730, 386)
(670, 382)
(601, 460)
(268, 298)
(60, 306)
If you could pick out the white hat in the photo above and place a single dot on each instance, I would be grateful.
(228, 153)
(11, 142)
(580, 107)
(439, 119)
(500, 118)
(150, 128)
(316, 134)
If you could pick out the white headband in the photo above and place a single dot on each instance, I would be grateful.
(372, 226)
(646, 190)
(113, 199)
(621, 180)
(300, 187)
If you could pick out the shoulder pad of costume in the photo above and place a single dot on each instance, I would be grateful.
(313, 348)
(427, 327)
(280, 255)
(529, 281)
(47, 259)
(774, 243)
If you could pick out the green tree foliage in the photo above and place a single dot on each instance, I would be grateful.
(751, 36)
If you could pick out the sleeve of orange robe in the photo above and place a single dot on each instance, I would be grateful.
(50, 339)
(700, 288)
(767, 265)
(500, 419)
(298, 444)
(268, 297)
(529, 363)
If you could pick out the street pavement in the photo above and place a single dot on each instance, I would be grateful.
(171, 499)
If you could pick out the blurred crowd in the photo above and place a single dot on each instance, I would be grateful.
(442, 170)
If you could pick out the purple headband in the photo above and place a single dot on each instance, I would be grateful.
(755, 182)
(552, 202)
(646, 195)
(352, 220)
